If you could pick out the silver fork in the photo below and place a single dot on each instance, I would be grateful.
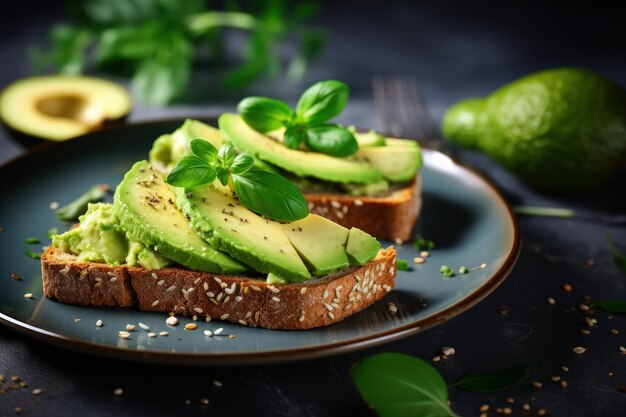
(403, 112)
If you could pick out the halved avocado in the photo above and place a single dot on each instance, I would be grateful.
(60, 107)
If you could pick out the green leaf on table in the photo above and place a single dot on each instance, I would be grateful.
(331, 140)
(270, 195)
(494, 381)
(612, 306)
(399, 385)
(191, 172)
(322, 101)
(76, 208)
(264, 114)
(618, 258)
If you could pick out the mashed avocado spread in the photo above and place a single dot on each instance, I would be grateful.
(100, 238)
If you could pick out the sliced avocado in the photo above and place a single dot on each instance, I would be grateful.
(397, 163)
(299, 162)
(60, 107)
(195, 129)
(361, 247)
(320, 243)
(402, 142)
(146, 208)
(371, 138)
(272, 278)
(216, 215)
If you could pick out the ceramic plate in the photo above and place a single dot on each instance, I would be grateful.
(467, 218)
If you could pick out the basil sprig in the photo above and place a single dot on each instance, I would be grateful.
(263, 192)
(308, 123)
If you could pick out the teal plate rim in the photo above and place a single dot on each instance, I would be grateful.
(277, 355)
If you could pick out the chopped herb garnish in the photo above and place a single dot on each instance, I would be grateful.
(463, 270)
(494, 381)
(544, 211)
(446, 271)
(32, 240)
(308, 124)
(33, 255)
(423, 244)
(78, 207)
(402, 264)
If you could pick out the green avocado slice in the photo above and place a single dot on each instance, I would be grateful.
(145, 206)
(320, 243)
(216, 215)
(361, 247)
(299, 162)
(398, 163)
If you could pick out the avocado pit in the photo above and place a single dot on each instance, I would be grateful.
(72, 107)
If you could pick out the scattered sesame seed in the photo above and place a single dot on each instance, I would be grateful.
(28, 296)
(622, 349)
(99, 323)
(238, 298)
(614, 331)
(155, 302)
(424, 254)
(224, 316)
(579, 350)
(37, 391)
(154, 275)
(191, 326)
(418, 260)
(551, 300)
(567, 287)
(15, 277)
(172, 288)
(208, 333)
(358, 202)
(585, 331)
(563, 383)
(507, 411)
(398, 241)
(583, 307)
(198, 310)
(392, 308)
(503, 310)
(123, 334)
(161, 282)
(171, 321)
(164, 334)
(54, 205)
(77, 320)
(218, 330)
(218, 383)
(130, 327)
(564, 369)
(204, 401)
(484, 408)
(152, 334)
(541, 412)
(16, 378)
(555, 378)
(448, 351)
(537, 384)
(276, 299)
(526, 407)
(436, 358)
(143, 326)
(118, 391)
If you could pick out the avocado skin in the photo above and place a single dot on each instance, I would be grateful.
(159, 222)
(300, 163)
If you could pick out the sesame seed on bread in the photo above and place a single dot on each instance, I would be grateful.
(245, 300)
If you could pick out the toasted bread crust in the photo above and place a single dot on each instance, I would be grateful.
(386, 218)
(238, 299)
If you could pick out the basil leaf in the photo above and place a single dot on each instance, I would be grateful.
(294, 136)
(612, 306)
(226, 155)
(78, 207)
(204, 150)
(264, 114)
(331, 140)
(270, 195)
(191, 172)
(399, 385)
(494, 381)
(242, 163)
(222, 175)
(322, 101)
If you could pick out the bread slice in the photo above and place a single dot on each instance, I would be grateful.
(390, 217)
(238, 299)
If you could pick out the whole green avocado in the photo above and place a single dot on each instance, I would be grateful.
(560, 130)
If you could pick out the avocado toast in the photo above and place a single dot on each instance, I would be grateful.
(356, 179)
(196, 242)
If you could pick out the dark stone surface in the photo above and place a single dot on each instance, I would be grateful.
(453, 52)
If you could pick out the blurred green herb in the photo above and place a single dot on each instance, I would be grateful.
(159, 44)
(32, 240)
(494, 381)
(611, 306)
(402, 264)
(618, 258)
(423, 244)
(71, 211)
(33, 255)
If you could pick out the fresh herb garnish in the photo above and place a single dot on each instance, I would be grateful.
(263, 192)
(494, 381)
(612, 306)
(446, 271)
(33, 255)
(398, 385)
(618, 258)
(463, 270)
(308, 123)
(78, 207)
(544, 211)
(32, 240)
(53, 231)
(402, 264)
(159, 43)
(423, 244)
